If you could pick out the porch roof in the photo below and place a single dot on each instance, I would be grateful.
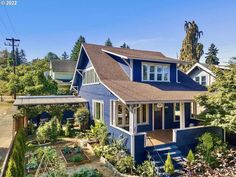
(46, 100)
(135, 92)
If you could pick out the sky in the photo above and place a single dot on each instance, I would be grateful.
(54, 25)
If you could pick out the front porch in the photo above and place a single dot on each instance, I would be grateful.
(159, 137)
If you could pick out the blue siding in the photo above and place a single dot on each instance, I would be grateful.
(137, 70)
(140, 154)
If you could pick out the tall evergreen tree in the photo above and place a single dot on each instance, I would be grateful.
(211, 55)
(75, 51)
(108, 42)
(64, 56)
(22, 55)
(125, 46)
(191, 50)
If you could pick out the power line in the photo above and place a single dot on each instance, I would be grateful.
(9, 19)
(5, 26)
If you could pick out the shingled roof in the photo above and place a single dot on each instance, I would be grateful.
(114, 78)
(63, 65)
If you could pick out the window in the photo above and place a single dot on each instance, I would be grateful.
(142, 114)
(98, 110)
(155, 72)
(90, 76)
(197, 80)
(122, 115)
(193, 110)
(176, 112)
(203, 80)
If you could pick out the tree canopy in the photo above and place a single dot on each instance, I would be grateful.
(64, 56)
(191, 50)
(125, 46)
(220, 104)
(211, 55)
(76, 49)
(108, 42)
(51, 56)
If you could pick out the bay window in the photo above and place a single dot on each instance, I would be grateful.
(155, 72)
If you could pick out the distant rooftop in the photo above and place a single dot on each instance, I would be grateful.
(63, 65)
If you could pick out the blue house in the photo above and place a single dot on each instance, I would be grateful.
(140, 95)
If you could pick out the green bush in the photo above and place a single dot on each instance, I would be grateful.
(169, 167)
(82, 116)
(99, 131)
(67, 150)
(147, 168)
(76, 158)
(125, 164)
(87, 172)
(69, 132)
(190, 156)
(32, 164)
(12, 170)
(48, 132)
(209, 146)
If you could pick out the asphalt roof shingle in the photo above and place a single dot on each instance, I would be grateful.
(63, 65)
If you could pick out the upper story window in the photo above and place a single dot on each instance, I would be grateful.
(90, 76)
(155, 72)
(201, 80)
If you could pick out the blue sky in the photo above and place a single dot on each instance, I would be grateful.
(55, 25)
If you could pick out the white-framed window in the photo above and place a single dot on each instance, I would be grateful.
(90, 76)
(98, 110)
(142, 114)
(176, 112)
(122, 116)
(197, 79)
(203, 80)
(155, 72)
(193, 110)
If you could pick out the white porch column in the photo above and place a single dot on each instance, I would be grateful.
(182, 115)
(132, 120)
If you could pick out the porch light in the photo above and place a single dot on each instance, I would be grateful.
(159, 105)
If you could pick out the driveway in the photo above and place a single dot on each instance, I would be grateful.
(6, 123)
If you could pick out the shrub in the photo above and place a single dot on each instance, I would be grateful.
(99, 131)
(32, 164)
(66, 150)
(125, 164)
(53, 130)
(68, 130)
(82, 116)
(209, 146)
(169, 167)
(76, 158)
(190, 156)
(87, 172)
(12, 169)
(147, 168)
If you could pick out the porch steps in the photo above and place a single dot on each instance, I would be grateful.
(159, 155)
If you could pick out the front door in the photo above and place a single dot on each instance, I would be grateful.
(157, 117)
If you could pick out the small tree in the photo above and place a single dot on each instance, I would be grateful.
(68, 130)
(169, 166)
(76, 49)
(190, 156)
(108, 42)
(82, 115)
(211, 55)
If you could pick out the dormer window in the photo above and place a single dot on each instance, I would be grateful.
(155, 72)
(90, 76)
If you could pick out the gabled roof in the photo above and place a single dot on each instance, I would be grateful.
(112, 76)
(63, 65)
(206, 68)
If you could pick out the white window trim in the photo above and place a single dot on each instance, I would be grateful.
(174, 118)
(123, 115)
(141, 115)
(205, 80)
(86, 70)
(155, 72)
(194, 108)
(200, 79)
(93, 109)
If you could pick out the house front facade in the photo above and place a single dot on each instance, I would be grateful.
(140, 95)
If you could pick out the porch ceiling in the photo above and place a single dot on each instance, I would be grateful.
(46, 100)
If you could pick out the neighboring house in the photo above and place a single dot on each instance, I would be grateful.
(140, 95)
(202, 73)
(62, 71)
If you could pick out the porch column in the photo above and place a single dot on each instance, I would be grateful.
(182, 115)
(132, 119)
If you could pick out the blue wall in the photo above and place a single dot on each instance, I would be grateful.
(140, 154)
(137, 70)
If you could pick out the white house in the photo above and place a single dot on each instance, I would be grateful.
(202, 73)
(62, 71)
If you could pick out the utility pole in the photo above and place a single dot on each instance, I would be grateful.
(13, 44)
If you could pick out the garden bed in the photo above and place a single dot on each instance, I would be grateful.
(74, 156)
